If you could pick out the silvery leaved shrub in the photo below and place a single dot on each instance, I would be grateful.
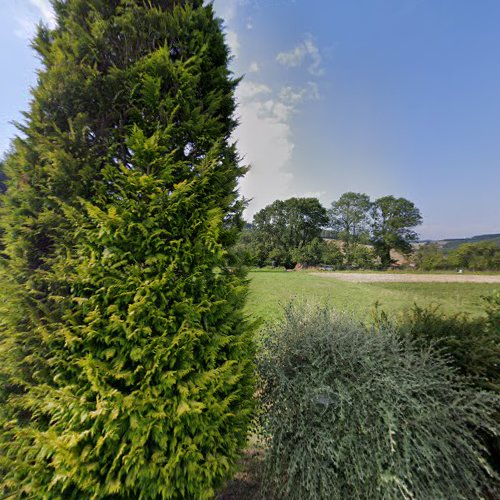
(348, 412)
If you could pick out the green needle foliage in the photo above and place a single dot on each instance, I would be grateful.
(126, 356)
(351, 413)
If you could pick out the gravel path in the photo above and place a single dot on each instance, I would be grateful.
(410, 278)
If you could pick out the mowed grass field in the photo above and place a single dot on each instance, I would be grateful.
(270, 290)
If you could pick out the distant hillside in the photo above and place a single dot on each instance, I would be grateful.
(451, 244)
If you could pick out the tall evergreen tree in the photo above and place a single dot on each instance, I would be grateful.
(126, 354)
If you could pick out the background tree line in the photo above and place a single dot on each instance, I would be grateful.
(480, 256)
(361, 233)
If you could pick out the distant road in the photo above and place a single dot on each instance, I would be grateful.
(410, 278)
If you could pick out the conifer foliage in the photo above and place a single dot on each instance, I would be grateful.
(126, 354)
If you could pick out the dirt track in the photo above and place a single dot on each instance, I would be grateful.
(410, 278)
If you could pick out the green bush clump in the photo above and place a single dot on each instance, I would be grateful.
(471, 343)
(349, 413)
(492, 309)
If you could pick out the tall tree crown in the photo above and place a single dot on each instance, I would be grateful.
(393, 220)
(349, 216)
(127, 356)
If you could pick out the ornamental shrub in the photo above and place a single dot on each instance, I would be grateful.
(471, 343)
(348, 413)
(126, 366)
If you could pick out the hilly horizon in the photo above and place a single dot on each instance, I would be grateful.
(451, 243)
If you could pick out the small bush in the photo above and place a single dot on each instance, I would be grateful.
(492, 309)
(348, 413)
(472, 344)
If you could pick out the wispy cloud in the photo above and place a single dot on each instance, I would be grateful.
(304, 51)
(233, 42)
(30, 14)
(248, 90)
(266, 113)
(26, 28)
(45, 9)
(295, 95)
(254, 67)
(265, 138)
(227, 9)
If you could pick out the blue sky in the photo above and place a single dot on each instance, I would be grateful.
(384, 97)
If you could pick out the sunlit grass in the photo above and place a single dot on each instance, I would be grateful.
(270, 289)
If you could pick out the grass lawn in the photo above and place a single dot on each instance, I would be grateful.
(269, 290)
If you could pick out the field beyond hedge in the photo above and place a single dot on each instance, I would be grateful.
(269, 290)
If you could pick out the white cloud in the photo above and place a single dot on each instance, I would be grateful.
(254, 67)
(45, 9)
(293, 58)
(30, 15)
(265, 134)
(290, 95)
(322, 196)
(233, 42)
(294, 96)
(313, 51)
(26, 28)
(313, 91)
(226, 9)
(265, 139)
(306, 49)
(248, 89)
(314, 194)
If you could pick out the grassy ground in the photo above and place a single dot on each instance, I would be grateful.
(269, 290)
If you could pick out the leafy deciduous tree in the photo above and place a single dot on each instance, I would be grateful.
(349, 220)
(286, 225)
(430, 257)
(477, 256)
(392, 223)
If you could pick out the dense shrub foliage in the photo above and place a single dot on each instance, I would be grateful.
(254, 250)
(492, 309)
(471, 344)
(349, 413)
(126, 367)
